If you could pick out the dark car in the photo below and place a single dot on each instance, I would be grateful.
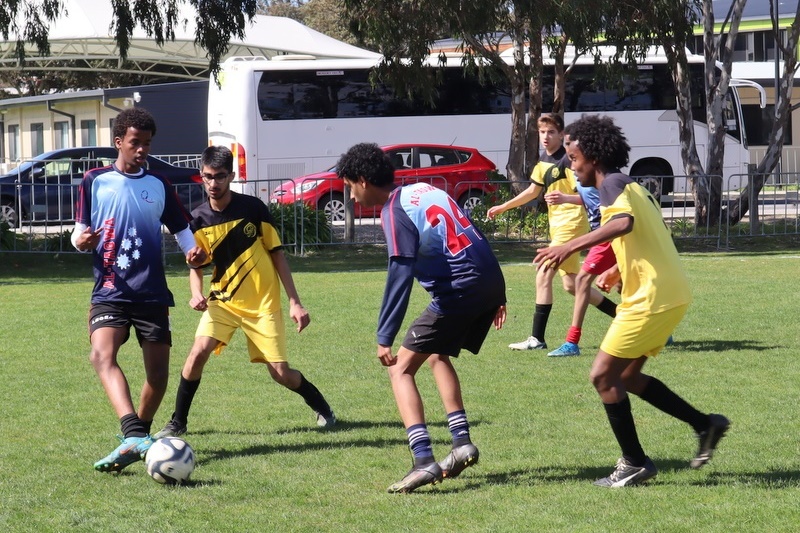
(45, 188)
(463, 172)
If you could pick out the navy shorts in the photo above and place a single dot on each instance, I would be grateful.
(432, 333)
(150, 321)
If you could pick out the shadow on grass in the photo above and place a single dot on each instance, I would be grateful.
(766, 480)
(778, 480)
(721, 346)
(267, 449)
(340, 427)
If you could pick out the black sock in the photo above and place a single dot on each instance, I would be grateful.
(313, 397)
(661, 397)
(132, 426)
(183, 400)
(608, 307)
(540, 316)
(621, 420)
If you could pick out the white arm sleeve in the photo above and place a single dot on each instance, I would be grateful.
(79, 228)
(185, 239)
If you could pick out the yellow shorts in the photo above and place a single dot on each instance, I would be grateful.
(631, 336)
(572, 264)
(266, 337)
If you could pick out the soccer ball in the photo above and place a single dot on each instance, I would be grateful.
(170, 461)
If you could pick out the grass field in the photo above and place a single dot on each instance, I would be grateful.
(543, 435)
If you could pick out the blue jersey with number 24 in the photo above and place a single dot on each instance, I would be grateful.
(452, 259)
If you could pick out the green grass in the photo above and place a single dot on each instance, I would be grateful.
(539, 424)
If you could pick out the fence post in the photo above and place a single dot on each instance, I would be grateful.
(349, 216)
(753, 199)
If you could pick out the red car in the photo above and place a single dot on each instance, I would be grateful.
(463, 172)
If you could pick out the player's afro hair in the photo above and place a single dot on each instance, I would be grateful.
(600, 140)
(133, 117)
(366, 160)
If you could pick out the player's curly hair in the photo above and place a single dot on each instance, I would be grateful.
(601, 140)
(133, 117)
(366, 160)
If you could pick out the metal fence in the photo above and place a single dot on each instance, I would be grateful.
(306, 226)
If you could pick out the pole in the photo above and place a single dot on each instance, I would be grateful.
(776, 22)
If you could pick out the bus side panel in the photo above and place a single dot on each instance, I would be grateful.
(232, 115)
(301, 147)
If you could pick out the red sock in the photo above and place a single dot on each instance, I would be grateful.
(574, 335)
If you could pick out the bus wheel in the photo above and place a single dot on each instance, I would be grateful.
(652, 184)
(651, 177)
(333, 206)
(470, 201)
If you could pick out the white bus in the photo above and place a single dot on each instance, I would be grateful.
(284, 119)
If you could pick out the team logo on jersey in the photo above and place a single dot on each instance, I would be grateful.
(250, 230)
(146, 196)
(129, 249)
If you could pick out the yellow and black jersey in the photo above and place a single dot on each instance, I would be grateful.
(652, 277)
(238, 241)
(553, 173)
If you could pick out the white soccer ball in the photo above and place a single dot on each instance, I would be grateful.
(170, 461)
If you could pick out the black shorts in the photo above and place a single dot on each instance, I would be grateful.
(448, 334)
(150, 321)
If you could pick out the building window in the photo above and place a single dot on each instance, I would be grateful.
(88, 132)
(13, 142)
(3, 142)
(749, 46)
(37, 139)
(61, 135)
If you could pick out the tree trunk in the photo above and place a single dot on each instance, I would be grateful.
(535, 55)
(679, 66)
(517, 170)
(783, 109)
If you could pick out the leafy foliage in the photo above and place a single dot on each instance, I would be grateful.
(7, 237)
(300, 225)
(217, 21)
(524, 223)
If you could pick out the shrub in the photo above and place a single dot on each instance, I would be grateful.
(524, 223)
(298, 224)
(6, 236)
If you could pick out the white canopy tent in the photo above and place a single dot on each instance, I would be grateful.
(82, 37)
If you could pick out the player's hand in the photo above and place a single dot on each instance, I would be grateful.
(198, 303)
(500, 317)
(196, 257)
(494, 211)
(88, 240)
(551, 257)
(554, 198)
(609, 279)
(300, 316)
(385, 355)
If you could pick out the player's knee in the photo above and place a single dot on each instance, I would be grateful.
(196, 360)
(158, 377)
(284, 375)
(100, 359)
(583, 279)
(598, 380)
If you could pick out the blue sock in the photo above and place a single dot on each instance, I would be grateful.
(459, 427)
(419, 440)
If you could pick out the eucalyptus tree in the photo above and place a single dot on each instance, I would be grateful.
(216, 22)
(405, 31)
(783, 110)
